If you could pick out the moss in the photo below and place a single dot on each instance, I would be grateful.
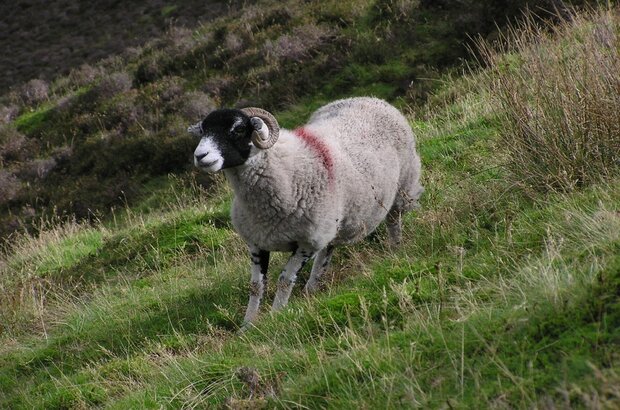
(33, 121)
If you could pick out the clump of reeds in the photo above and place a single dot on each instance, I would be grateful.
(558, 90)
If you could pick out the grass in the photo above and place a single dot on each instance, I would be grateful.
(497, 298)
(32, 121)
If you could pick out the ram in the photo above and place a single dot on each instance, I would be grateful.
(305, 191)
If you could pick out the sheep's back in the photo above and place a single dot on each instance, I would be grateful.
(364, 123)
(376, 160)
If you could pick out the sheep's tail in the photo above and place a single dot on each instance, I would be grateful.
(415, 195)
(407, 200)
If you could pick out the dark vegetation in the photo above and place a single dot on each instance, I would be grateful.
(44, 39)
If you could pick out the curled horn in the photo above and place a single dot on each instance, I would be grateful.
(259, 139)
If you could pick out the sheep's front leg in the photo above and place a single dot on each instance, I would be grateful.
(321, 262)
(286, 281)
(260, 264)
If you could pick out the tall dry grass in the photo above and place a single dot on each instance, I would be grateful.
(558, 90)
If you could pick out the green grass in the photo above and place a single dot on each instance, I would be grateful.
(31, 121)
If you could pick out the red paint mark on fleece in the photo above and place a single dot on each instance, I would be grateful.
(320, 148)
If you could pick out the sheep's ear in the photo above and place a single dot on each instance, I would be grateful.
(261, 131)
(261, 120)
(195, 129)
(259, 125)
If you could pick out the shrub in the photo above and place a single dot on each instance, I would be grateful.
(13, 145)
(559, 93)
(132, 53)
(339, 13)
(37, 169)
(172, 153)
(9, 187)
(152, 68)
(217, 85)
(8, 113)
(170, 88)
(64, 104)
(121, 112)
(394, 10)
(34, 92)
(195, 105)
(178, 40)
(62, 154)
(296, 46)
(157, 95)
(112, 63)
(84, 75)
(113, 84)
(258, 18)
(233, 43)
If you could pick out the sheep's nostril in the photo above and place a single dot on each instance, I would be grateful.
(201, 156)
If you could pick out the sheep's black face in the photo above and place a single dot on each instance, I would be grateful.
(225, 140)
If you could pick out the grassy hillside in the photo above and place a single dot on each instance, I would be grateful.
(91, 141)
(504, 294)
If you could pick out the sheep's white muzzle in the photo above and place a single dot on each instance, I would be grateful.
(207, 156)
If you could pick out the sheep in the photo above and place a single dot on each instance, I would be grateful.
(330, 182)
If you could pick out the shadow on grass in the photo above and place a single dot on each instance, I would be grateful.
(110, 334)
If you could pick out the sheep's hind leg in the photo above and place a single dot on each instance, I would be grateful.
(320, 265)
(394, 227)
(260, 265)
(286, 281)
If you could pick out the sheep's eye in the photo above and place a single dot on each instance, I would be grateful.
(238, 129)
